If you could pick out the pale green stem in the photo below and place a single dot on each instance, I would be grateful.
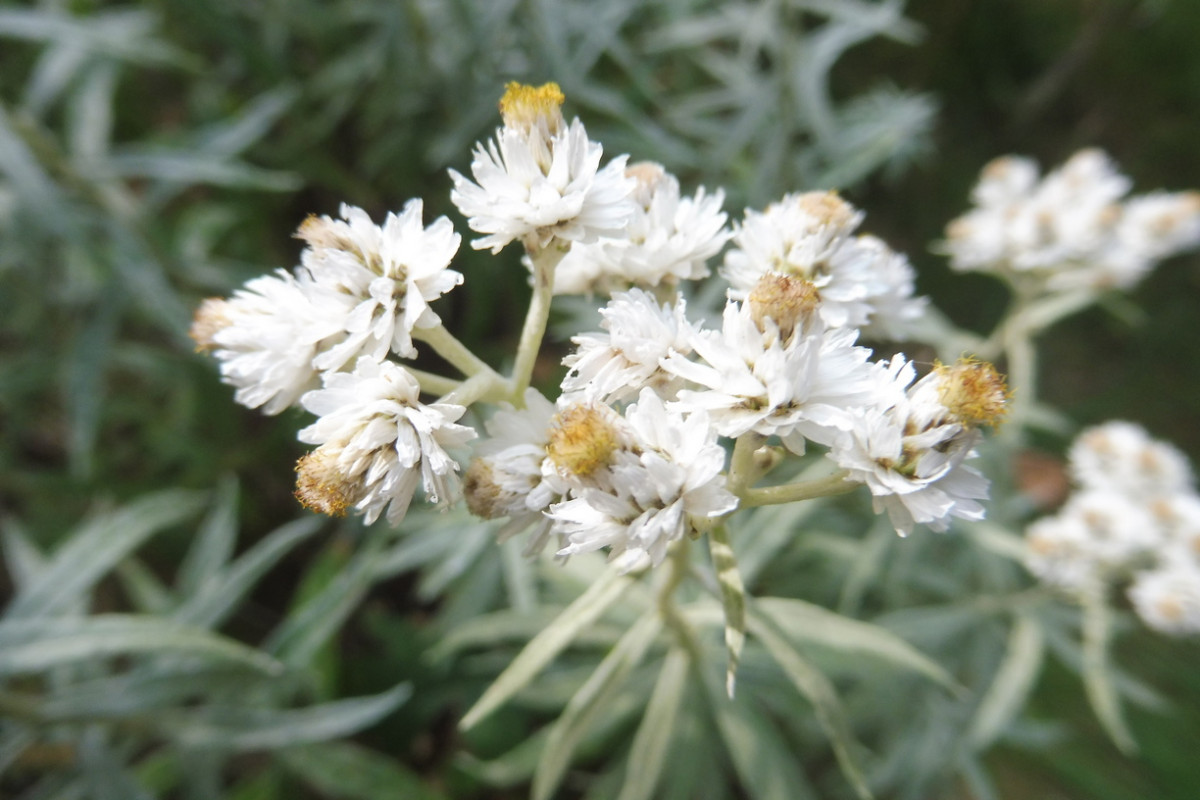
(483, 386)
(544, 263)
(433, 384)
(741, 463)
(792, 492)
(678, 566)
(454, 351)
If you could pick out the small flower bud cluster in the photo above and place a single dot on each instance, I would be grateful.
(1072, 229)
(1135, 512)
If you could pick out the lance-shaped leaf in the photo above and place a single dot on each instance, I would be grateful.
(817, 689)
(348, 771)
(733, 598)
(1097, 674)
(92, 551)
(542, 649)
(805, 622)
(595, 696)
(28, 646)
(648, 754)
(1013, 682)
(239, 728)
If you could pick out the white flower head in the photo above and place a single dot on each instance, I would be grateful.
(1058, 552)
(540, 178)
(911, 454)
(796, 381)
(1168, 599)
(664, 481)
(1073, 229)
(393, 272)
(376, 440)
(811, 236)
(267, 334)
(614, 365)
(669, 238)
(1121, 457)
(1177, 515)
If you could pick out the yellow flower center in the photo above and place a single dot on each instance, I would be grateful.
(582, 440)
(973, 391)
(322, 486)
(210, 319)
(786, 300)
(527, 108)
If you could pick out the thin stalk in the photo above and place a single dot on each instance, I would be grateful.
(433, 384)
(448, 347)
(792, 492)
(544, 263)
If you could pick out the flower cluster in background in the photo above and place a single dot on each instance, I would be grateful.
(1135, 513)
(1072, 229)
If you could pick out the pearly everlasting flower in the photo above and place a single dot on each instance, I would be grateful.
(911, 453)
(376, 440)
(267, 334)
(1058, 552)
(540, 179)
(1168, 599)
(1121, 457)
(1177, 515)
(665, 483)
(614, 365)
(669, 238)
(811, 236)
(392, 272)
(1072, 229)
(797, 383)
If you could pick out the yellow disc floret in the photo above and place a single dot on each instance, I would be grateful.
(526, 108)
(786, 300)
(322, 486)
(973, 391)
(582, 440)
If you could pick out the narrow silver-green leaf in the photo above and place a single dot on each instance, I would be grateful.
(648, 754)
(220, 594)
(806, 622)
(586, 609)
(32, 645)
(765, 766)
(733, 599)
(1097, 674)
(95, 548)
(23, 559)
(1013, 682)
(214, 541)
(147, 593)
(348, 771)
(232, 728)
(816, 688)
(585, 705)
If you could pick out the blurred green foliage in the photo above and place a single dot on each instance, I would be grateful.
(155, 153)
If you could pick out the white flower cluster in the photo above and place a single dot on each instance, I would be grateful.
(361, 289)
(632, 482)
(630, 456)
(1071, 229)
(1135, 511)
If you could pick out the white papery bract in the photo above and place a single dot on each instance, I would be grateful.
(797, 387)
(392, 272)
(1121, 457)
(614, 365)
(508, 477)
(1072, 229)
(376, 440)
(910, 453)
(664, 482)
(266, 335)
(811, 236)
(540, 179)
(669, 238)
(1168, 599)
